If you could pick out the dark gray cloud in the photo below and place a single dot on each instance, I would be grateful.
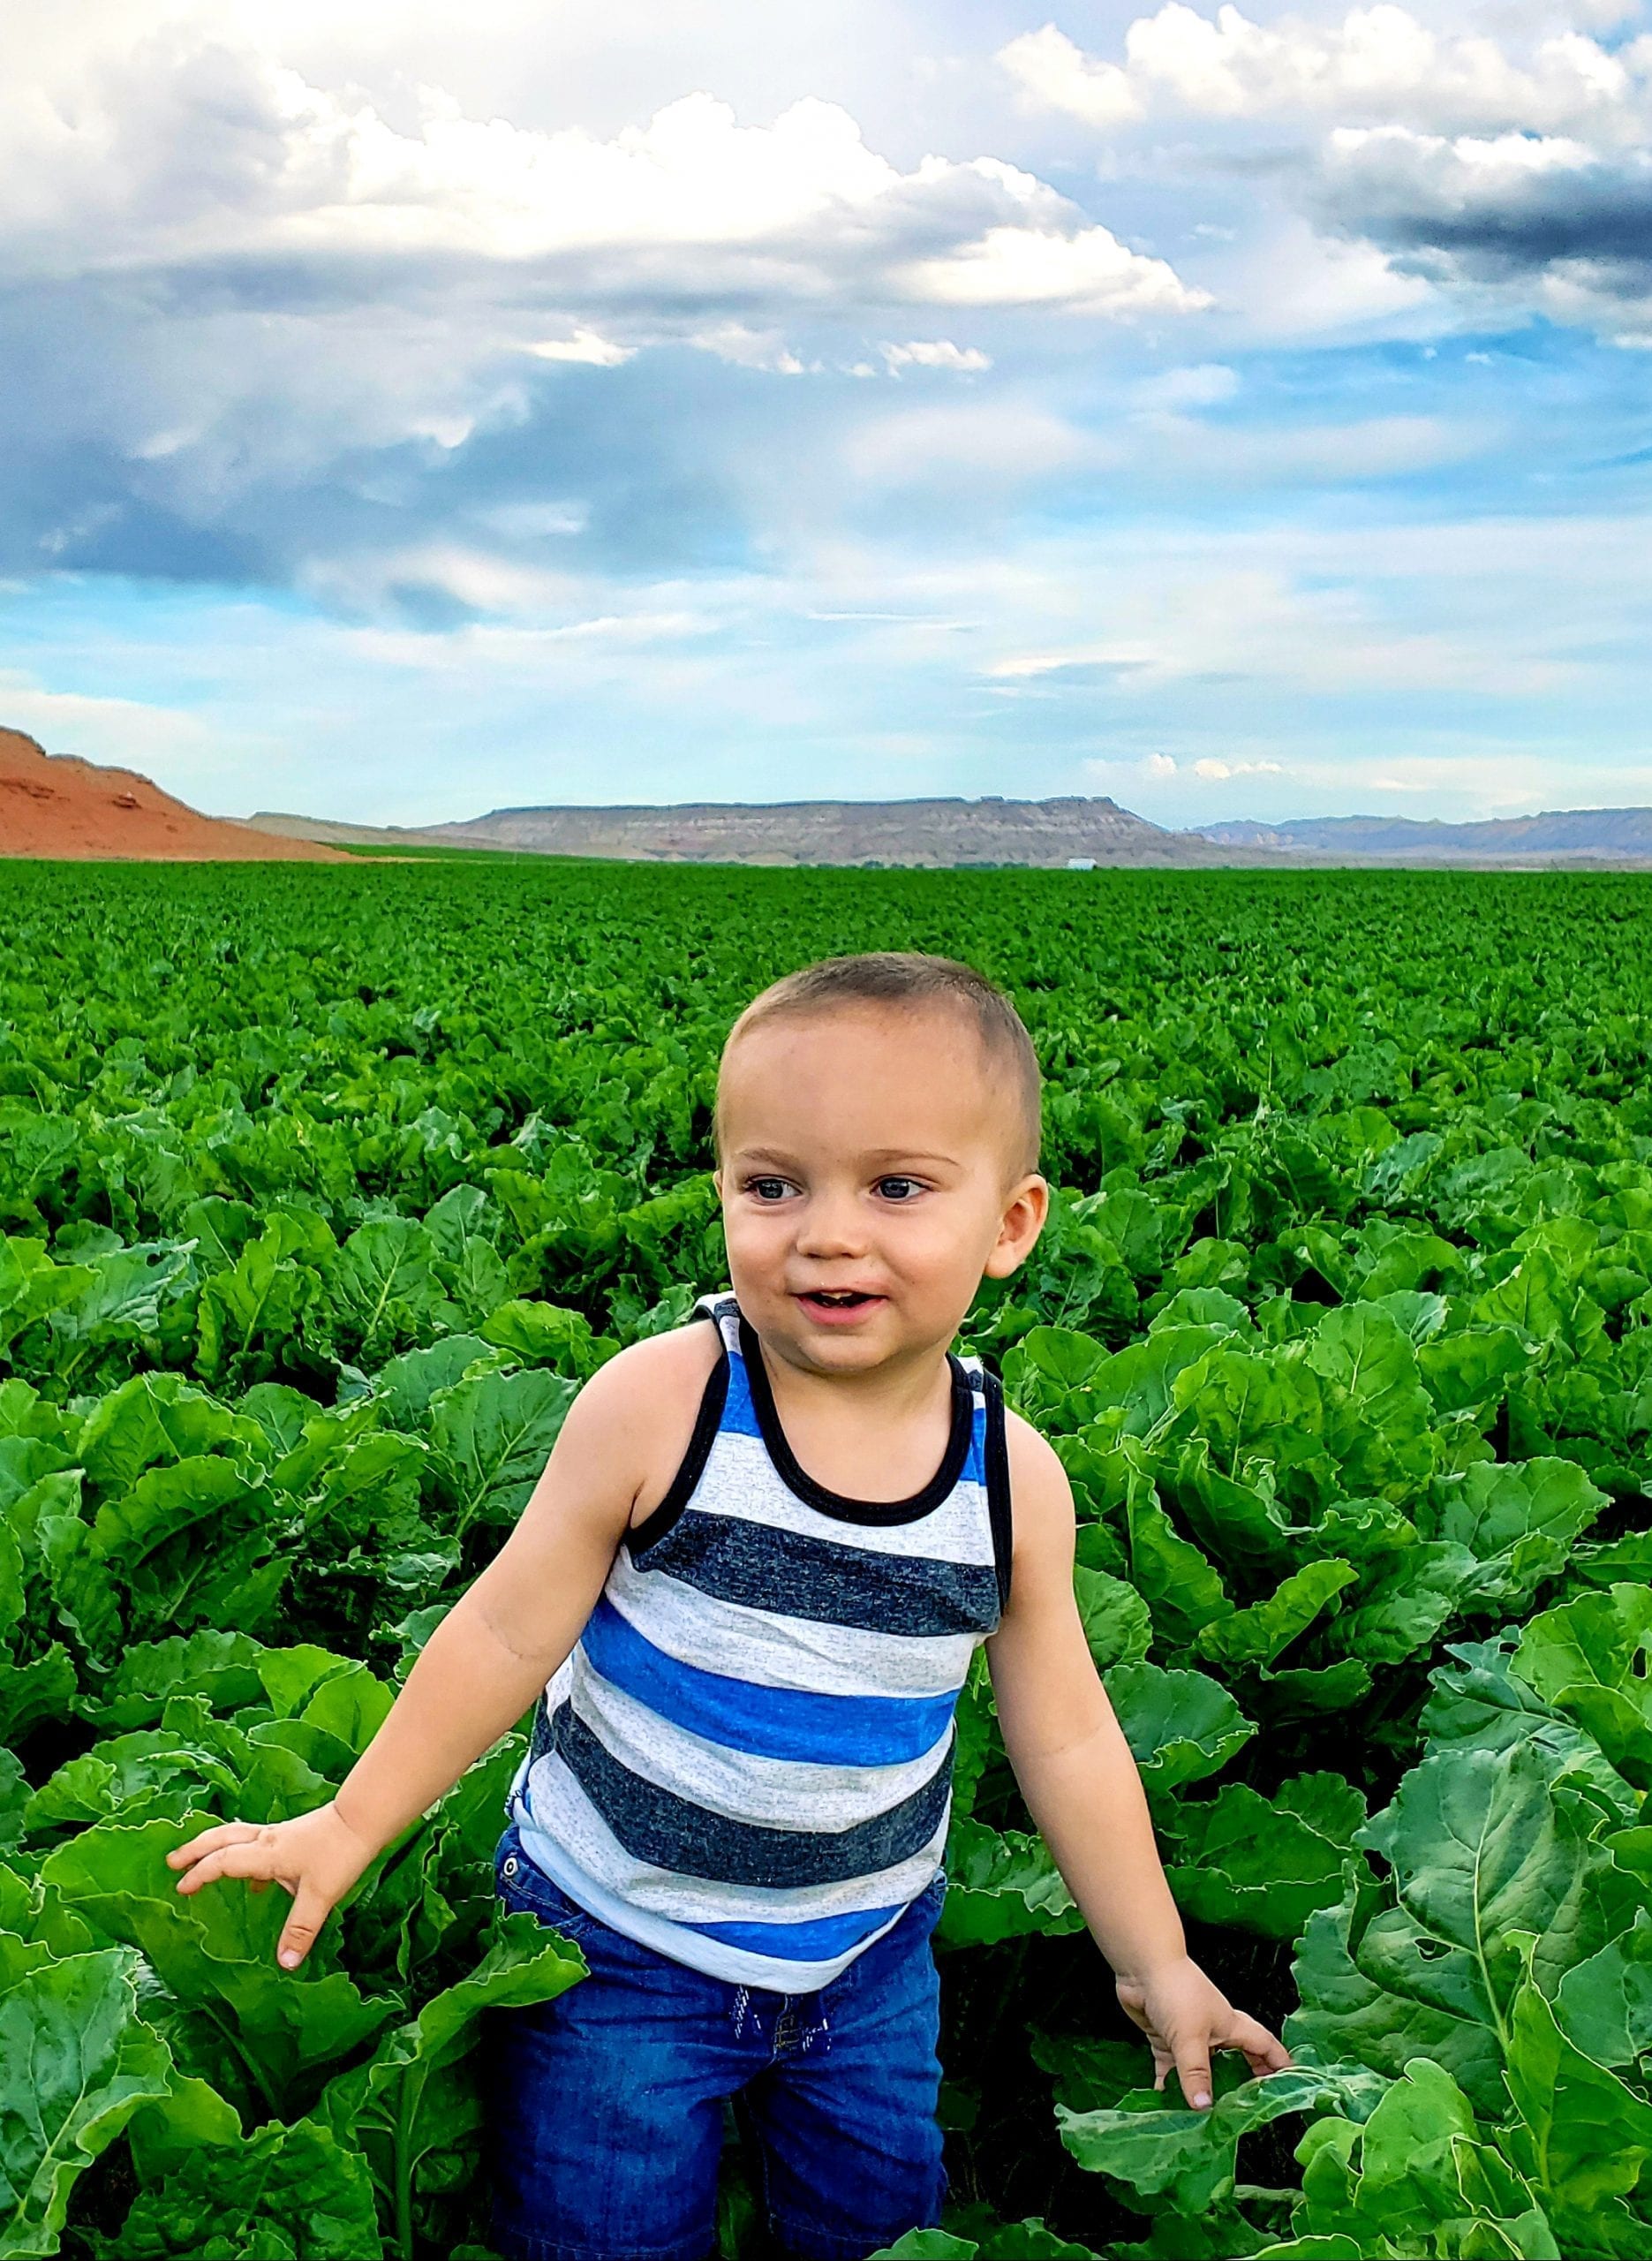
(1514, 211)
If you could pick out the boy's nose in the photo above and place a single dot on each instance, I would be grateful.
(831, 1226)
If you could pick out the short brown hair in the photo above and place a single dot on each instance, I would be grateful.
(904, 977)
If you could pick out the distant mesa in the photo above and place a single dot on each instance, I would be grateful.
(940, 833)
(52, 805)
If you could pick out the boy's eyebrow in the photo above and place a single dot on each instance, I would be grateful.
(908, 1154)
(877, 1154)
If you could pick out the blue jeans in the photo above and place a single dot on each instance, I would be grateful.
(606, 2112)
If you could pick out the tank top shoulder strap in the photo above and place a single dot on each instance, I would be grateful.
(724, 1313)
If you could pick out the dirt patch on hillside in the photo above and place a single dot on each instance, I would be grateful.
(53, 805)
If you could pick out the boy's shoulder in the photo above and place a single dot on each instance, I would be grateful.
(659, 1370)
(636, 1414)
(1042, 1513)
(1032, 1458)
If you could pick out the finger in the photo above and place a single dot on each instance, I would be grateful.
(1264, 2051)
(310, 1910)
(1193, 2070)
(225, 1832)
(244, 1858)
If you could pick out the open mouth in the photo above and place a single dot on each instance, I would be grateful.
(838, 1299)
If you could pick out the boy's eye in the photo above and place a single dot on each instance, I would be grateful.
(768, 1188)
(898, 1189)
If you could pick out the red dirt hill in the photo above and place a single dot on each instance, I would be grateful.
(52, 805)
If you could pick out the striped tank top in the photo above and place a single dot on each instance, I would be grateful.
(746, 1762)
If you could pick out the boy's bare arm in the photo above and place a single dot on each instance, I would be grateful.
(1083, 1789)
(495, 1649)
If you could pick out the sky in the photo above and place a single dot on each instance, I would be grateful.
(411, 411)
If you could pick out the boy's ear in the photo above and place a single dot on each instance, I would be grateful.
(1025, 1209)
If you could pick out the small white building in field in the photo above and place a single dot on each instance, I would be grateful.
(1081, 862)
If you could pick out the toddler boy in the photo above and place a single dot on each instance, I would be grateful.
(745, 1594)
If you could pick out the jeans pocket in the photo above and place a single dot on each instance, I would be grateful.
(526, 1889)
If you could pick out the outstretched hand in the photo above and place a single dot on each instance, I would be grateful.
(316, 1856)
(1187, 2018)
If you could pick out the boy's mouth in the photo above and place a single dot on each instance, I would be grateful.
(838, 1304)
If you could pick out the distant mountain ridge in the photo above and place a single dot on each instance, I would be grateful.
(1596, 832)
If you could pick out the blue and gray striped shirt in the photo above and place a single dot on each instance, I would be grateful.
(746, 1763)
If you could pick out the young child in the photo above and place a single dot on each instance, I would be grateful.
(746, 1592)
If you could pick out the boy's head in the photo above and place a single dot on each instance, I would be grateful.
(911, 983)
(878, 1141)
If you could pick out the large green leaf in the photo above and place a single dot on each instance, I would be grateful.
(1001, 1886)
(1588, 1658)
(1604, 2005)
(1265, 1864)
(491, 1436)
(1257, 1635)
(1475, 1701)
(1518, 1522)
(1404, 1601)
(1180, 1726)
(153, 1420)
(76, 2062)
(1415, 2179)
(405, 1385)
(222, 1667)
(1182, 1587)
(1114, 1617)
(186, 1761)
(42, 1689)
(1155, 2151)
(381, 1291)
(1481, 1848)
(32, 1286)
(282, 2194)
(1584, 2137)
(248, 1313)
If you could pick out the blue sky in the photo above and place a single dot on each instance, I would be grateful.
(416, 411)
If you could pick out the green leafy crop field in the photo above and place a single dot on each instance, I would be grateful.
(320, 1190)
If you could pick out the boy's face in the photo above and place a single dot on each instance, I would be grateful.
(869, 1178)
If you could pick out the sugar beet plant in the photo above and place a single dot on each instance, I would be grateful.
(320, 1192)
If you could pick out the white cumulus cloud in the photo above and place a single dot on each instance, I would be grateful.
(1380, 63)
(1089, 271)
(206, 159)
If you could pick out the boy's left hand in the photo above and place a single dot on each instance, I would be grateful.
(1186, 2018)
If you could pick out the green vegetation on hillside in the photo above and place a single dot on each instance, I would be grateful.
(318, 1196)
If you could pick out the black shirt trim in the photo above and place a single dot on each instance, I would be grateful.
(835, 1503)
(998, 1501)
(692, 1465)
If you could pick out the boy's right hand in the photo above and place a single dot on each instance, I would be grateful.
(316, 1856)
